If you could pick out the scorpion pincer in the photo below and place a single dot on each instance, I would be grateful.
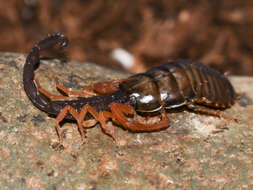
(172, 85)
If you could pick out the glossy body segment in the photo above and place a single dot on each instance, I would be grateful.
(179, 83)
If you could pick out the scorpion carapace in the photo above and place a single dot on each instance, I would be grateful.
(174, 84)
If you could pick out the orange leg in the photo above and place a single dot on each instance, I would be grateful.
(106, 87)
(117, 113)
(89, 91)
(209, 111)
(49, 95)
(68, 109)
(70, 93)
(103, 117)
(204, 110)
(79, 118)
(118, 110)
(95, 89)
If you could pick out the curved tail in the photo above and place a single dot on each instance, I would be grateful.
(31, 64)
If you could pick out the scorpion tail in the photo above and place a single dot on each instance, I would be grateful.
(32, 63)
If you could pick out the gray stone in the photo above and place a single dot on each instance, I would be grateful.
(195, 152)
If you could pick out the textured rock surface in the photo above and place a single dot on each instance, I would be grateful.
(195, 152)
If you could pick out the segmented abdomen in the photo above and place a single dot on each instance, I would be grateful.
(200, 84)
(177, 83)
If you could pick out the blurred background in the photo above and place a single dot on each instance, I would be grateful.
(218, 33)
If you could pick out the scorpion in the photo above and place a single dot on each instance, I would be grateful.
(169, 86)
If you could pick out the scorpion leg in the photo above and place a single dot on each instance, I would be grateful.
(209, 111)
(90, 90)
(49, 95)
(92, 111)
(100, 88)
(68, 109)
(103, 117)
(79, 118)
(109, 87)
(84, 93)
(118, 111)
(204, 110)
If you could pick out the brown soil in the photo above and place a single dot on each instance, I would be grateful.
(218, 33)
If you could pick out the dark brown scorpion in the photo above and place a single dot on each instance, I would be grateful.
(172, 85)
